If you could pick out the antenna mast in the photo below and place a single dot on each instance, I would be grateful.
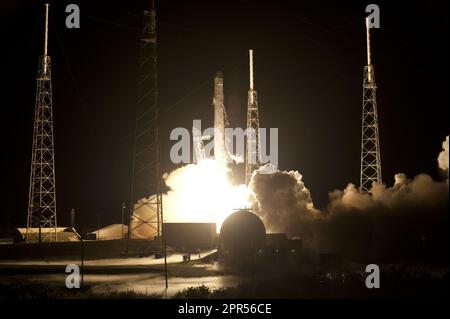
(370, 143)
(41, 222)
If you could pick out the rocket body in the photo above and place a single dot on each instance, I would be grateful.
(219, 120)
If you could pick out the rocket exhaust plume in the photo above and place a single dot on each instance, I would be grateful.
(202, 192)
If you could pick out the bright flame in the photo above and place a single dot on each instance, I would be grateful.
(202, 192)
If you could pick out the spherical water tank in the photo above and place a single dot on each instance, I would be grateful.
(242, 234)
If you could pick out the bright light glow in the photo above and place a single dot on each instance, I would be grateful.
(202, 192)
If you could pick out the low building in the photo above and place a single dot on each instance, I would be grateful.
(63, 234)
(111, 232)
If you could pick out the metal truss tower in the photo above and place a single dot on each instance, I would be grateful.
(370, 143)
(42, 191)
(253, 149)
(146, 197)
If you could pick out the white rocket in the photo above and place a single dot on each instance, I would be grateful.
(220, 153)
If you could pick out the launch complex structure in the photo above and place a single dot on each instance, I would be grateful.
(41, 221)
(253, 147)
(370, 142)
(146, 179)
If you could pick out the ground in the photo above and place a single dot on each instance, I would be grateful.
(205, 278)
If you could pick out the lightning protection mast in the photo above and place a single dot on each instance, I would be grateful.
(41, 222)
(370, 142)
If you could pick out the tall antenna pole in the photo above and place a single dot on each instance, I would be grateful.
(253, 152)
(369, 62)
(370, 143)
(145, 204)
(42, 190)
(46, 37)
(251, 69)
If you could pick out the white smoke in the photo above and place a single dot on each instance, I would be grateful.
(389, 221)
(422, 189)
(393, 223)
(352, 222)
(281, 199)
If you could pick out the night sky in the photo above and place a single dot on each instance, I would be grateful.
(309, 58)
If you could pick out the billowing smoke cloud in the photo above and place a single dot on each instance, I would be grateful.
(443, 156)
(408, 220)
(282, 200)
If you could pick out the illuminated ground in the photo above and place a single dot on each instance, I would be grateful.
(139, 275)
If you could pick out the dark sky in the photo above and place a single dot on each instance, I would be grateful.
(309, 58)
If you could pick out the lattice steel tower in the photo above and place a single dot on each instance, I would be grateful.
(146, 178)
(253, 147)
(42, 191)
(370, 142)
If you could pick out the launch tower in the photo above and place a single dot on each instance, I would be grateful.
(146, 178)
(253, 150)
